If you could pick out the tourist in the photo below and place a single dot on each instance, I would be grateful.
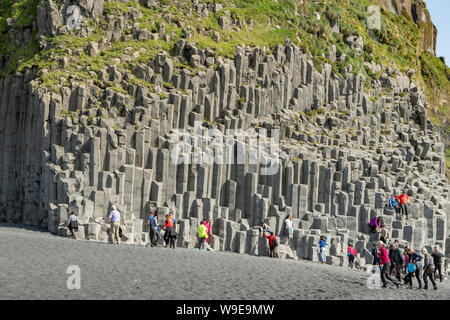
(170, 233)
(289, 226)
(166, 232)
(393, 204)
(202, 236)
(416, 260)
(437, 260)
(403, 198)
(352, 254)
(207, 224)
(376, 258)
(385, 263)
(322, 249)
(264, 228)
(150, 227)
(156, 230)
(384, 235)
(405, 261)
(114, 218)
(395, 255)
(374, 224)
(273, 245)
(428, 269)
(72, 223)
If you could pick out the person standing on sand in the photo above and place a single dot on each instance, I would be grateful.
(428, 269)
(170, 232)
(322, 249)
(156, 230)
(207, 224)
(273, 245)
(72, 223)
(396, 258)
(114, 218)
(437, 260)
(376, 258)
(150, 227)
(416, 260)
(202, 236)
(385, 263)
(352, 254)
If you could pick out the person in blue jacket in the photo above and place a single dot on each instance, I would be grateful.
(393, 204)
(322, 251)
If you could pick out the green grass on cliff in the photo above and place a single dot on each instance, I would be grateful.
(396, 44)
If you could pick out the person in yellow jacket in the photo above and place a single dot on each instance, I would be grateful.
(202, 236)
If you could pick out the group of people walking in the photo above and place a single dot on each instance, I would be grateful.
(396, 266)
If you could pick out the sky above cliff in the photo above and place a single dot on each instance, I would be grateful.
(440, 10)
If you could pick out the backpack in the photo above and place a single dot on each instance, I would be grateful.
(275, 241)
(411, 267)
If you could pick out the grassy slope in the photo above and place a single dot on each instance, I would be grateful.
(397, 43)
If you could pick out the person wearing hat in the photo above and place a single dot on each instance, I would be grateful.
(114, 218)
(385, 263)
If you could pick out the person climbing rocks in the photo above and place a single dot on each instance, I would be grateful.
(384, 235)
(393, 204)
(405, 261)
(352, 254)
(264, 228)
(289, 226)
(437, 260)
(414, 267)
(385, 263)
(273, 245)
(72, 224)
(403, 198)
(202, 236)
(322, 249)
(114, 218)
(428, 269)
(396, 257)
(375, 224)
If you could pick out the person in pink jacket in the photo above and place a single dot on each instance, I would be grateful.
(352, 254)
(207, 224)
(385, 263)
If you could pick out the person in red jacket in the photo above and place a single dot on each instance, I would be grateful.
(403, 198)
(351, 253)
(385, 262)
(272, 245)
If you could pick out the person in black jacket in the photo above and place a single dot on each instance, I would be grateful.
(437, 259)
(428, 269)
(396, 256)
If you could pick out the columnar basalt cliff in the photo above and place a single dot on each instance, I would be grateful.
(346, 143)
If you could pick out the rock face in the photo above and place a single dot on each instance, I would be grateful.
(416, 10)
(193, 138)
(341, 154)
